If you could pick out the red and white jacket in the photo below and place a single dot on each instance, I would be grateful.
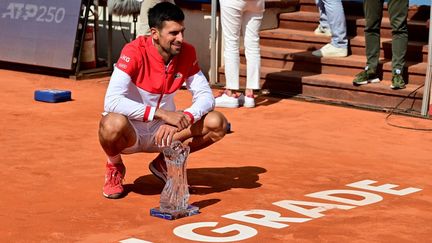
(142, 83)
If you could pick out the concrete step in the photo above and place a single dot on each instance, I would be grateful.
(307, 40)
(300, 60)
(333, 87)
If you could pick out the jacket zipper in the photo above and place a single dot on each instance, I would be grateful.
(164, 85)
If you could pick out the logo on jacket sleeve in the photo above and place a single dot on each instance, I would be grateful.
(125, 58)
(178, 75)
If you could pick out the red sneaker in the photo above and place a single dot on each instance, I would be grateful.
(114, 175)
(158, 168)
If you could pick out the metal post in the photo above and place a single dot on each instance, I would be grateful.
(110, 41)
(213, 54)
(87, 5)
(427, 86)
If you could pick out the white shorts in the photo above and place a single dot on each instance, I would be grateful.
(145, 137)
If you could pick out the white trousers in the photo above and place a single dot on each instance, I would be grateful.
(241, 16)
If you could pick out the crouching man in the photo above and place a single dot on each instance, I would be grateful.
(140, 114)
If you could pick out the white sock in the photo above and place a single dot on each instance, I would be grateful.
(116, 159)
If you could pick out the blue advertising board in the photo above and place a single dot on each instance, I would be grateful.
(39, 32)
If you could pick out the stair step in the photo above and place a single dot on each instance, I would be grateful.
(308, 21)
(419, 27)
(416, 51)
(300, 60)
(280, 3)
(272, 72)
(339, 88)
(350, 7)
(308, 6)
(357, 61)
(307, 40)
(356, 8)
(335, 87)
(309, 17)
(296, 39)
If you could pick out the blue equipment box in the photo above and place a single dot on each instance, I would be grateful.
(52, 95)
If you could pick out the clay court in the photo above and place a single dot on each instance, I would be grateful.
(283, 149)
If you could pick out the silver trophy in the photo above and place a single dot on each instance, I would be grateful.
(175, 195)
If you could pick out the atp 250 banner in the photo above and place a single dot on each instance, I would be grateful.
(39, 32)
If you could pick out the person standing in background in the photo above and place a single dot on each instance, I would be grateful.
(398, 11)
(332, 23)
(241, 16)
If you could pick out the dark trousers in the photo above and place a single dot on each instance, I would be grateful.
(398, 11)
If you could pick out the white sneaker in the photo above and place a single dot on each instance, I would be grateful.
(322, 31)
(331, 51)
(249, 102)
(227, 101)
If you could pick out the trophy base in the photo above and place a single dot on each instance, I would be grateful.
(191, 210)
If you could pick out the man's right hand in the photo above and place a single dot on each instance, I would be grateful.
(175, 118)
(164, 135)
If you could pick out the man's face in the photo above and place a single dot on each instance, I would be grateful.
(169, 39)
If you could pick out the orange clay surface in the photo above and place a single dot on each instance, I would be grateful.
(53, 170)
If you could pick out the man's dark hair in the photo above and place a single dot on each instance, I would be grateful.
(164, 11)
